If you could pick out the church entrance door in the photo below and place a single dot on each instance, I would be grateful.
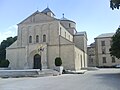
(37, 62)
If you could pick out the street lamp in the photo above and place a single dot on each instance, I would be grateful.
(40, 50)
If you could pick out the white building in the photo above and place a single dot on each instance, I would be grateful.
(102, 54)
(91, 55)
(42, 38)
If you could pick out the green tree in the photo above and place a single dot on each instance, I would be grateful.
(4, 44)
(114, 4)
(4, 63)
(58, 61)
(115, 46)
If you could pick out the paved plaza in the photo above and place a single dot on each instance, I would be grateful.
(103, 79)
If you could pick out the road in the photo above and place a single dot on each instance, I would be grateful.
(103, 79)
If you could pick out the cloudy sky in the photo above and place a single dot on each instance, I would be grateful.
(93, 16)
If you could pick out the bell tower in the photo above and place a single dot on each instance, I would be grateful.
(48, 12)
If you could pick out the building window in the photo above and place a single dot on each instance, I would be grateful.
(91, 60)
(103, 43)
(69, 25)
(69, 37)
(104, 59)
(103, 50)
(113, 59)
(65, 34)
(30, 39)
(81, 60)
(44, 38)
(110, 42)
(37, 38)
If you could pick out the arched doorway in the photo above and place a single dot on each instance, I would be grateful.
(37, 62)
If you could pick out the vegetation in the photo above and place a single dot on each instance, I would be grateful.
(58, 61)
(114, 4)
(4, 63)
(115, 46)
(4, 44)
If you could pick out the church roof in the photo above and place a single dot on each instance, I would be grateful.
(83, 33)
(65, 19)
(105, 35)
(37, 12)
(14, 45)
(45, 11)
(29, 16)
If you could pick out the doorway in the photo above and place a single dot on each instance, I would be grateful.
(37, 62)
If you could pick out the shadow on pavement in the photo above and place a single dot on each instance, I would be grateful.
(109, 79)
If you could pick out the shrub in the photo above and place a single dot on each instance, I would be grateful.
(58, 61)
(4, 63)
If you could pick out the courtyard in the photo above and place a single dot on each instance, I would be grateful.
(103, 79)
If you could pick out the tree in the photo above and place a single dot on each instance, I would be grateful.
(4, 44)
(4, 63)
(114, 4)
(58, 61)
(115, 46)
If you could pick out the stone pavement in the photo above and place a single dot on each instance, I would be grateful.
(103, 79)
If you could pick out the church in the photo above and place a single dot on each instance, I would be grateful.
(41, 38)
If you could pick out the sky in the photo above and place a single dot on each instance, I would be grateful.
(93, 16)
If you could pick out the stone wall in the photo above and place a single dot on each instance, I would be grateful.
(17, 58)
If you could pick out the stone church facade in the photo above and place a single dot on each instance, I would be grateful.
(42, 38)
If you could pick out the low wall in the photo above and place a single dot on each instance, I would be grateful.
(19, 73)
(5, 68)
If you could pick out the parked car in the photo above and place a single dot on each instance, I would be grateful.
(117, 66)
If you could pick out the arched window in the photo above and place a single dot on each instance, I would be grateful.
(30, 39)
(37, 38)
(69, 37)
(44, 38)
(65, 34)
(69, 25)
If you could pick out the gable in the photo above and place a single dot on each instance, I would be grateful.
(37, 17)
(14, 45)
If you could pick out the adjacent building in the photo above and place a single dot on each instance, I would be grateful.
(42, 38)
(102, 55)
(91, 55)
